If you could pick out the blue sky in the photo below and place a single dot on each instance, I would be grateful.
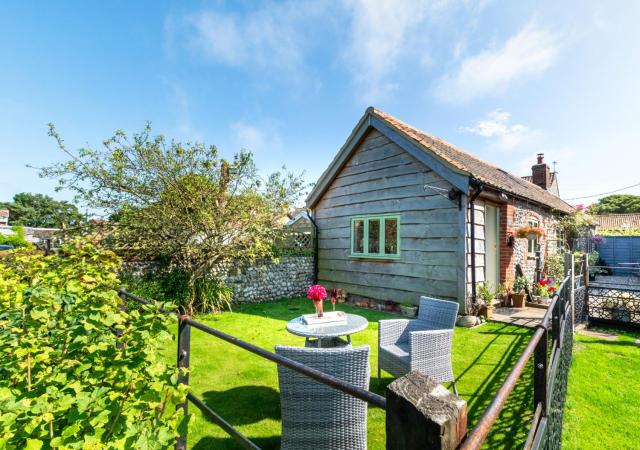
(289, 80)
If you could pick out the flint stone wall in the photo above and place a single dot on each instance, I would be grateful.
(262, 281)
(268, 280)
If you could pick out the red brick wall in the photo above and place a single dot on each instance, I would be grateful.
(507, 257)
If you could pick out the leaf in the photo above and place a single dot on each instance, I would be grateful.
(33, 444)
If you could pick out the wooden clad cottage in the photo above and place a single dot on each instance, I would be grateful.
(401, 214)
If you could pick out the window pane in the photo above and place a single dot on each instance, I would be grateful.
(358, 236)
(391, 236)
(533, 245)
(374, 236)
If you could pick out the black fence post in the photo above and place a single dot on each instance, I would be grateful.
(184, 349)
(555, 322)
(585, 274)
(538, 275)
(122, 306)
(540, 373)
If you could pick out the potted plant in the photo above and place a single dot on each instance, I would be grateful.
(529, 232)
(487, 295)
(502, 294)
(317, 293)
(517, 298)
(408, 309)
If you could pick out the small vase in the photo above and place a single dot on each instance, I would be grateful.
(319, 307)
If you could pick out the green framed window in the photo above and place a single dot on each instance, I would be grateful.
(375, 236)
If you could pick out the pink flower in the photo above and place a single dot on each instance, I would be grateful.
(317, 293)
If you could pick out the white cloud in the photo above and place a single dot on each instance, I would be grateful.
(266, 39)
(500, 132)
(528, 53)
(381, 32)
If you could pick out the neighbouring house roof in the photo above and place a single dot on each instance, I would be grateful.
(458, 160)
(302, 215)
(610, 221)
(295, 212)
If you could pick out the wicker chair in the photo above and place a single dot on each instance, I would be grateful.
(423, 344)
(316, 416)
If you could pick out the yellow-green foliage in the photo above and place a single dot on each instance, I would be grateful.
(64, 382)
(17, 239)
(620, 232)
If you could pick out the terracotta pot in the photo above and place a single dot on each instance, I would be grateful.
(319, 307)
(486, 312)
(518, 299)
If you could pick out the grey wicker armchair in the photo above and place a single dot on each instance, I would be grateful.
(316, 416)
(423, 344)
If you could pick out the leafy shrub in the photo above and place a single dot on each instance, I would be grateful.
(17, 240)
(555, 266)
(209, 293)
(64, 381)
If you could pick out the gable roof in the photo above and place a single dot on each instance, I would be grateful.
(439, 152)
(609, 221)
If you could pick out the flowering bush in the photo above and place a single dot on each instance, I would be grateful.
(598, 239)
(546, 287)
(317, 293)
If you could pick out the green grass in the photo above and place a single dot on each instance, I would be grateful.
(603, 398)
(243, 388)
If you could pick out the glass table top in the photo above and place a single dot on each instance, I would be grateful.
(354, 324)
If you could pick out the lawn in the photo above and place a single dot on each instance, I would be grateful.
(603, 398)
(243, 388)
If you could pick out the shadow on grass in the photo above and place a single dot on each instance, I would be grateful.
(213, 443)
(510, 430)
(244, 405)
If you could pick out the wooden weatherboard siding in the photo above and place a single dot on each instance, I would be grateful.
(382, 178)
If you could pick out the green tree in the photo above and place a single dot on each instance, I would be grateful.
(178, 201)
(617, 204)
(37, 210)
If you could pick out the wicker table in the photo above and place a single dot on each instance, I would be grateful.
(327, 335)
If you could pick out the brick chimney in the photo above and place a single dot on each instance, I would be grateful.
(540, 173)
